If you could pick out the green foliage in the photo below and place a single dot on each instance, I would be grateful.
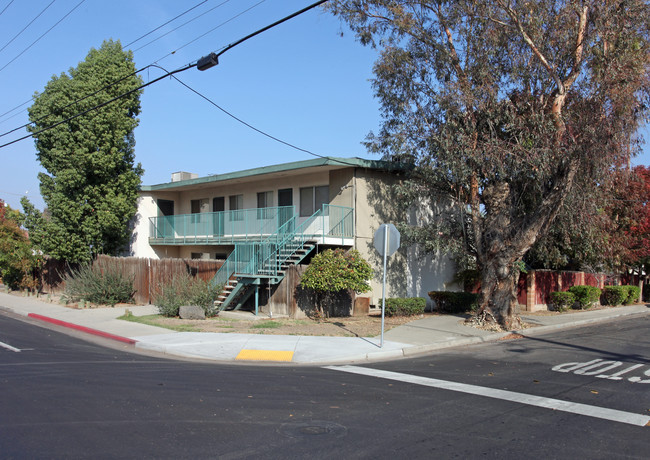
(614, 295)
(187, 290)
(405, 307)
(91, 180)
(18, 261)
(106, 286)
(500, 114)
(337, 270)
(454, 302)
(562, 300)
(585, 296)
(633, 293)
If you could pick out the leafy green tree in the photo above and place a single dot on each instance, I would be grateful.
(17, 258)
(333, 271)
(90, 187)
(505, 108)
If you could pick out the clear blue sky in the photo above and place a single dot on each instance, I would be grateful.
(300, 82)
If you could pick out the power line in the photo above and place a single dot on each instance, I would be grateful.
(5, 8)
(48, 31)
(99, 106)
(171, 74)
(163, 25)
(245, 123)
(182, 25)
(30, 23)
(78, 100)
(211, 30)
(15, 108)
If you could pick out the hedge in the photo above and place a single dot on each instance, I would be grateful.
(585, 296)
(454, 302)
(562, 300)
(633, 293)
(409, 306)
(614, 295)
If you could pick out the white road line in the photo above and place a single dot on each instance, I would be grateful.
(531, 400)
(9, 347)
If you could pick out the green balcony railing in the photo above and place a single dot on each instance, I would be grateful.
(265, 258)
(219, 227)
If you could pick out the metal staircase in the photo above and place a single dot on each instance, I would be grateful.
(253, 263)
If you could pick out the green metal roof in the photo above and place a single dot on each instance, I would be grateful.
(296, 165)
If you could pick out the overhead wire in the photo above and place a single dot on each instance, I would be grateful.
(99, 106)
(172, 74)
(5, 8)
(25, 28)
(163, 25)
(43, 35)
(178, 27)
(134, 41)
(211, 30)
(79, 100)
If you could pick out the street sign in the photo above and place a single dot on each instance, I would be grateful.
(386, 243)
(392, 244)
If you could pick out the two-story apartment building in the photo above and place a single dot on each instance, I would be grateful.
(261, 220)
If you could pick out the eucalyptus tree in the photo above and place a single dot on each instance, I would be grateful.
(506, 107)
(91, 179)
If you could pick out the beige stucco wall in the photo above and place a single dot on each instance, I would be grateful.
(410, 271)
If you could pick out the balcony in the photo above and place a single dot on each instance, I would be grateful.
(331, 224)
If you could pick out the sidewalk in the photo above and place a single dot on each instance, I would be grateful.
(417, 337)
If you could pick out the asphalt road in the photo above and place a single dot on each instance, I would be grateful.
(64, 397)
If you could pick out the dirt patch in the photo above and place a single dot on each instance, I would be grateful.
(366, 326)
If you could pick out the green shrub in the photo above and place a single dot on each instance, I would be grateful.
(405, 307)
(633, 293)
(585, 296)
(106, 286)
(562, 301)
(454, 302)
(186, 290)
(613, 295)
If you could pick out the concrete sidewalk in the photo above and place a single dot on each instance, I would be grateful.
(417, 337)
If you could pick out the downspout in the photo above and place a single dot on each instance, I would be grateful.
(354, 207)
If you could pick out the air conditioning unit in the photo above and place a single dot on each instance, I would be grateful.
(182, 175)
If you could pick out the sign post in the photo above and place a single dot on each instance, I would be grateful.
(386, 242)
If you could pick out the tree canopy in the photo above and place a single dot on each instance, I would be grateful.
(91, 179)
(17, 259)
(506, 108)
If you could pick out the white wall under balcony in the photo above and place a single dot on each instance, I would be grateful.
(147, 207)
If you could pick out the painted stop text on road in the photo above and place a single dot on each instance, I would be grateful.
(611, 370)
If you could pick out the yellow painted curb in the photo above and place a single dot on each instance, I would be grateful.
(265, 355)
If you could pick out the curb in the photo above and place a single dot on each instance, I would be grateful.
(85, 329)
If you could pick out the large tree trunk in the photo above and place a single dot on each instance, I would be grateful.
(498, 302)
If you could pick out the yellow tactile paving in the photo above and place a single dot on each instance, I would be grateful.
(265, 355)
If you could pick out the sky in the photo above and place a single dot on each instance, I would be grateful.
(305, 82)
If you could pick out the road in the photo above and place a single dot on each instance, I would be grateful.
(64, 397)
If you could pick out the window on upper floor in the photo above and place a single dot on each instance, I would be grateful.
(236, 203)
(264, 200)
(312, 199)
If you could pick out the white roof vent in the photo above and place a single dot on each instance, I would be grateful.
(182, 175)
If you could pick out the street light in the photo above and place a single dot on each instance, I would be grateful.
(207, 62)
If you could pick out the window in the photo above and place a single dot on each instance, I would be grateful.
(218, 204)
(285, 197)
(312, 199)
(197, 207)
(236, 203)
(165, 208)
(264, 200)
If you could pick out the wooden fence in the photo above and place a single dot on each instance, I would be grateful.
(149, 275)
